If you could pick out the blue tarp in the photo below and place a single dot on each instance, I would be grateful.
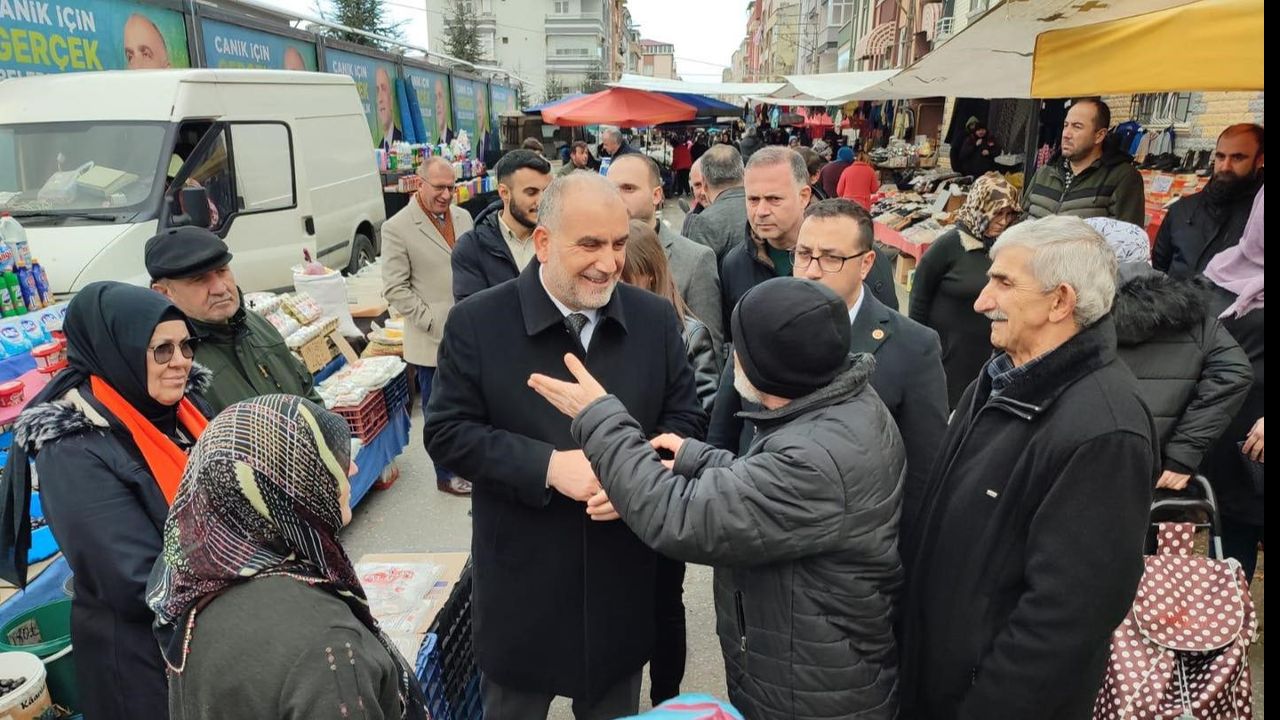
(706, 106)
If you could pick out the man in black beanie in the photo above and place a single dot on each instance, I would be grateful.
(802, 529)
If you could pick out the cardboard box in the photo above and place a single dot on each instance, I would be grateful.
(409, 639)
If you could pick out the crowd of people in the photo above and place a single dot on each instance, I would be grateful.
(933, 515)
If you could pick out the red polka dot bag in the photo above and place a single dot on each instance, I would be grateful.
(1182, 651)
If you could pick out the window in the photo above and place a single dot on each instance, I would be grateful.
(572, 51)
(505, 40)
(263, 162)
(562, 7)
(1161, 108)
(841, 11)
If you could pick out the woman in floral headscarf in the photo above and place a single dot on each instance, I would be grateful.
(952, 274)
(259, 612)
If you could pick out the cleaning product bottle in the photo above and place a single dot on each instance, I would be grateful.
(42, 283)
(15, 237)
(6, 303)
(27, 287)
(12, 289)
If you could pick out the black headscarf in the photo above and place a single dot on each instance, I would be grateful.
(108, 327)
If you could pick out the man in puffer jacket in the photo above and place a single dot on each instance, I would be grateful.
(802, 529)
(1191, 373)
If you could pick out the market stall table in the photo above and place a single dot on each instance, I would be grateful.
(911, 251)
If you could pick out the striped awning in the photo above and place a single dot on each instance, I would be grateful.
(875, 42)
(929, 16)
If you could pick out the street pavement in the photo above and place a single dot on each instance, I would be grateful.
(412, 516)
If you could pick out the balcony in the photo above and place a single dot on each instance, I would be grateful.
(574, 25)
(945, 29)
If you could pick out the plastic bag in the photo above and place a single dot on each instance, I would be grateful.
(61, 188)
(330, 293)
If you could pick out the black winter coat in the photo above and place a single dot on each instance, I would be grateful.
(802, 531)
(908, 377)
(1239, 499)
(747, 264)
(561, 604)
(108, 514)
(1192, 234)
(480, 258)
(1028, 550)
(1191, 373)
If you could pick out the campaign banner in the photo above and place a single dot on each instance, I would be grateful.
(39, 37)
(432, 89)
(375, 81)
(502, 101)
(233, 46)
(471, 108)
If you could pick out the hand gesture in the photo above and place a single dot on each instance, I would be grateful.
(569, 473)
(670, 443)
(569, 398)
(1253, 442)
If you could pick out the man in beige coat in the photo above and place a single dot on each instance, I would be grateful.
(417, 246)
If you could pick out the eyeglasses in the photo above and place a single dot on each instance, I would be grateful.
(802, 259)
(163, 352)
(441, 188)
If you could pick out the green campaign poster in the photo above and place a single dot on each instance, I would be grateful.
(432, 89)
(375, 81)
(38, 37)
(233, 46)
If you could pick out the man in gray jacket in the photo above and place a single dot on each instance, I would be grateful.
(802, 529)
(720, 225)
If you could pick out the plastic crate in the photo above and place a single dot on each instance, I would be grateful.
(397, 393)
(368, 418)
(452, 631)
(431, 677)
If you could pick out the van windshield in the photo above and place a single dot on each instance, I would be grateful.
(104, 171)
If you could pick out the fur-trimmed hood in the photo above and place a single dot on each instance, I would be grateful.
(1149, 302)
(73, 414)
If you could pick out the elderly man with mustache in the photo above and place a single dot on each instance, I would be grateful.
(1026, 549)
(246, 354)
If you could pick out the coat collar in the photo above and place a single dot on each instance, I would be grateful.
(872, 327)
(428, 228)
(728, 196)
(847, 384)
(666, 236)
(540, 313)
(1030, 396)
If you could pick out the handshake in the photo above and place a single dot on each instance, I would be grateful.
(569, 473)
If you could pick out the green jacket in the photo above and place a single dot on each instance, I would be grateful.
(249, 359)
(1111, 187)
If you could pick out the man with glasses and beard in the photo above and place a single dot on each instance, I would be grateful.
(1200, 226)
(501, 245)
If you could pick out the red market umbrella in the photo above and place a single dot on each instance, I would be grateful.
(622, 107)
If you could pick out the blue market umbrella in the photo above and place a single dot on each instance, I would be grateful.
(706, 106)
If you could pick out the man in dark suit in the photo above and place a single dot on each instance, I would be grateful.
(835, 248)
(563, 603)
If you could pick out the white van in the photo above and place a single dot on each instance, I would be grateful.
(93, 164)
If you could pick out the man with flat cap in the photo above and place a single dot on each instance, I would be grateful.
(248, 357)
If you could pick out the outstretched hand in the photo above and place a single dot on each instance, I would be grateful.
(567, 397)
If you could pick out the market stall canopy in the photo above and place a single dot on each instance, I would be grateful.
(640, 82)
(537, 109)
(1092, 48)
(828, 89)
(621, 107)
(1218, 47)
(706, 107)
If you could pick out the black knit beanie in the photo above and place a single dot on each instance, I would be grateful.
(791, 335)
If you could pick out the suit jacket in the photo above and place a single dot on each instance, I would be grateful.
(417, 279)
(561, 604)
(908, 377)
(694, 268)
(719, 226)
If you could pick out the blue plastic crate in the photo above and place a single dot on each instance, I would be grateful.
(43, 544)
(397, 392)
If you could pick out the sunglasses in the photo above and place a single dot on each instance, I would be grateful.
(163, 352)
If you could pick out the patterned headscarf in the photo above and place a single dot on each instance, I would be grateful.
(990, 195)
(1130, 243)
(259, 499)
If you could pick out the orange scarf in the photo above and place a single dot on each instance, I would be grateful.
(164, 458)
(445, 228)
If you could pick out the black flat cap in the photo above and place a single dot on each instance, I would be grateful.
(184, 252)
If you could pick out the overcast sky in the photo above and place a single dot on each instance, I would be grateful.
(705, 32)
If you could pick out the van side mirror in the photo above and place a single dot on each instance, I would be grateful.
(194, 206)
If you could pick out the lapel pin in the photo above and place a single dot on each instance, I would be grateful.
(878, 334)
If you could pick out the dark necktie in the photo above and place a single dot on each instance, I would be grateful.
(575, 322)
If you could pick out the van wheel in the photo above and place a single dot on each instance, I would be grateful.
(362, 253)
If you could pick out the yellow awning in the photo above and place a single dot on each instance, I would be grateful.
(1206, 45)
